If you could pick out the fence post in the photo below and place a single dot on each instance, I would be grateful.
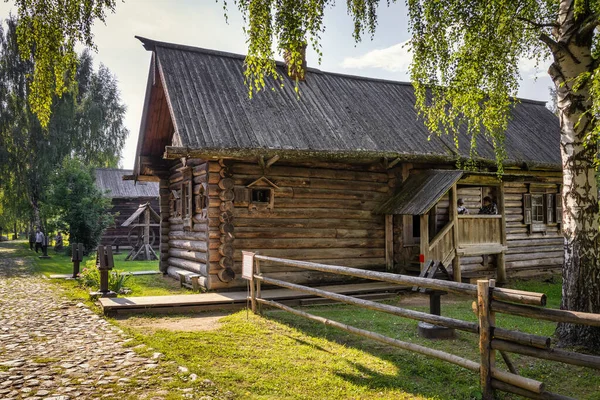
(257, 270)
(76, 257)
(253, 288)
(485, 318)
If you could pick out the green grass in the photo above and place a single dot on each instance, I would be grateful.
(145, 285)
(280, 356)
(60, 263)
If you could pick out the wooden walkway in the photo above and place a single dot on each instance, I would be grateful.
(228, 300)
(135, 273)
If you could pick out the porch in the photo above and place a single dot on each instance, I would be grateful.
(451, 238)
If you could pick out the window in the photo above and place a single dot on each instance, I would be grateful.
(261, 195)
(537, 208)
(186, 204)
(541, 210)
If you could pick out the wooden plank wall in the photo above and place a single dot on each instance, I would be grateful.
(122, 208)
(322, 213)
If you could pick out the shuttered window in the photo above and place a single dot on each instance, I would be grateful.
(537, 209)
(558, 204)
(541, 209)
(527, 209)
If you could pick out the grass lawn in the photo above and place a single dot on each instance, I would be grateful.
(281, 356)
(145, 285)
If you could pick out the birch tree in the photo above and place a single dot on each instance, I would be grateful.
(465, 70)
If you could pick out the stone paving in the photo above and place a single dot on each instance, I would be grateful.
(56, 349)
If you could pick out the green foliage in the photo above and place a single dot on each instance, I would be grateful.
(47, 36)
(86, 122)
(90, 277)
(293, 24)
(81, 205)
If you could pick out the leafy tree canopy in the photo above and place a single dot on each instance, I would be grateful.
(80, 204)
(86, 122)
(47, 35)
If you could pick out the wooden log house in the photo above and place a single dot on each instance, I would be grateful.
(126, 197)
(343, 174)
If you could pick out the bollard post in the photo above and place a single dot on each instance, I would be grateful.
(105, 263)
(76, 257)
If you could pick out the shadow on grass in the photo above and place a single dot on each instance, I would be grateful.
(416, 374)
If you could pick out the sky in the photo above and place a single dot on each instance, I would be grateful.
(201, 23)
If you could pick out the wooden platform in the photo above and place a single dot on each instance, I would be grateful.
(135, 273)
(229, 300)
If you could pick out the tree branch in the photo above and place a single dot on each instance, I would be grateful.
(538, 24)
(554, 46)
(589, 25)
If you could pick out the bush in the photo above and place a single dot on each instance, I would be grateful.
(90, 277)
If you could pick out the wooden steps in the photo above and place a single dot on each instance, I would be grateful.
(228, 300)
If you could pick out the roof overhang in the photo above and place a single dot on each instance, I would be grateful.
(420, 192)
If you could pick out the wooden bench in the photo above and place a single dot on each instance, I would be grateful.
(193, 277)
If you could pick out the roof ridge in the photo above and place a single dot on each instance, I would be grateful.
(151, 44)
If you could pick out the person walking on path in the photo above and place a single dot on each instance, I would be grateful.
(31, 238)
(39, 240)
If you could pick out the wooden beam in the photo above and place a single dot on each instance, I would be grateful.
(454, 218)
(389, 242)
(141, 178)
(271, 161)
(392, 164)
(500, 260)
(424, 238)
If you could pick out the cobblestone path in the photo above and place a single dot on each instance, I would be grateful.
(53, 348)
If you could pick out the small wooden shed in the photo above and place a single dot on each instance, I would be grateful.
(126, 197)
(345, 174)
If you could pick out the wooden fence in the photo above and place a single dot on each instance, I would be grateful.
(489, 301)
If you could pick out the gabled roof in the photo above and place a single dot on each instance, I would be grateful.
(141, 209)
(210, 110)
(110, 180)
(419, 192)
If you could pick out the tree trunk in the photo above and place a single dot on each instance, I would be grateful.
(581, 269)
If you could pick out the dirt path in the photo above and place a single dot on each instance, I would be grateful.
(54, 348)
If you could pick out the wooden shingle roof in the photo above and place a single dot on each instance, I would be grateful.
(210, 110)
(419, 192)
(110, 181)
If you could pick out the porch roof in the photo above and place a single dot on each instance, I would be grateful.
(420, 192)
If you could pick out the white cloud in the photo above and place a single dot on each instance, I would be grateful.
(395, 58)
(531, 69)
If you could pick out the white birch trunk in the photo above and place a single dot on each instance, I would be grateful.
(581, 269)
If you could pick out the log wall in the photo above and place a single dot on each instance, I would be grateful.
(320, 214)
(187, 247)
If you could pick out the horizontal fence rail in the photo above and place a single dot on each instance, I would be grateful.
(489, 301)
(515, 296)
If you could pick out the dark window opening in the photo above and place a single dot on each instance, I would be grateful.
(416, 226)
(261, 195)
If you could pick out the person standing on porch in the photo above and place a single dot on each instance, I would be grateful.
(489, 207)
(460, 207)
